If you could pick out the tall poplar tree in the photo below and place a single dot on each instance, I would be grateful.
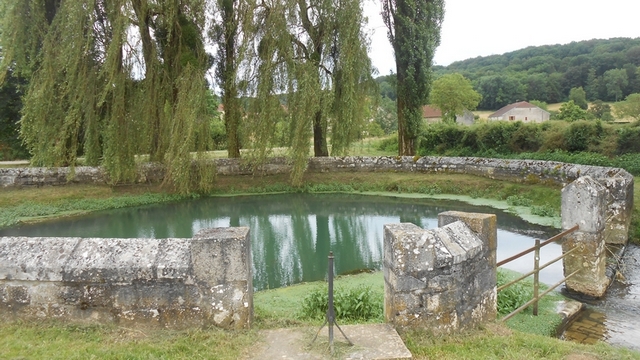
(414, 32)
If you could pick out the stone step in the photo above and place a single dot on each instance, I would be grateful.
(370, 342)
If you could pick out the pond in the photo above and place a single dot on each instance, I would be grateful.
(292, 234)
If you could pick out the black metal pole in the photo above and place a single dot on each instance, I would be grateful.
(330, 313)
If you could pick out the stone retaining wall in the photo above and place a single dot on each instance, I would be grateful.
(618, 182)
(172, 283)
(442, 279)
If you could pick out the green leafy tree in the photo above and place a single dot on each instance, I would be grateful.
(579, 97)
(499, 90)
(615, 81)
(601, 111)
(453, 94)
(414, 32)
(541, 104)
(386, 115)
(387, 86)
(630, 107)
(569, 111)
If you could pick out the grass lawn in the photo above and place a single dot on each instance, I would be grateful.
(276, 308)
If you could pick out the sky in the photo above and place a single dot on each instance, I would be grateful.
(474, 28)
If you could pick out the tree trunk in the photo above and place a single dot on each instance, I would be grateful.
(319, 136)
(406, 143)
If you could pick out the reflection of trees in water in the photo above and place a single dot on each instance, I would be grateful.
(291, 234)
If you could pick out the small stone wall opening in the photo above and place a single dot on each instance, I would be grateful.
(442, 279)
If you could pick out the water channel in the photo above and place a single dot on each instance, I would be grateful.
(292, 234)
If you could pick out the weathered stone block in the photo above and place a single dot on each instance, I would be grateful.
(169, 282)
(589, 259)
(439, 290)
(619, 209)
(584, 203)
(484, 225)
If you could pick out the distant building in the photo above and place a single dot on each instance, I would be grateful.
(431, 114)
(521, 111)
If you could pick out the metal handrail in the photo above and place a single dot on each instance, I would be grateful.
(536, 271)
(550, 289)
(546, 242)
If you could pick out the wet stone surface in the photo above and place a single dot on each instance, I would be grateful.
(615, 318)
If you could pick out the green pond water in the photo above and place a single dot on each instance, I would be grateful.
(292, 234)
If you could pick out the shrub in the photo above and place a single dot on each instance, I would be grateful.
(514, 296)
(496, 135)
(516, 200)
(580, 135)
(628, 140)
(439, 138)
(528, 137)
(355, 304)
(389, 144)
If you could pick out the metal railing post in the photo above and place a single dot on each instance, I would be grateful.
(536, 277)
(331, 317)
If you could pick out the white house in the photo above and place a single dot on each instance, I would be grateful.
(521, 111)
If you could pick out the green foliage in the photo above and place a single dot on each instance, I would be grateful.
(579, 97)
(541, 104)
(386, 115)
(12, 215)
(600, 111)
(453, 94)
(10, 105)
(548, 73)
(628, 140)
(544, 211)
(569, 111)
(630, 107)
(516, 200)
(389, 144)
(497, 135)
(354, 304)
(580, 135)
(514, 296)
(87, 93)
(413, 28)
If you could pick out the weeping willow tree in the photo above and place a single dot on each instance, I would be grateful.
(414, 32)
(310, 68)
(112, 79)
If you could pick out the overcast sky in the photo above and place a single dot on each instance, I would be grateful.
(479, 28)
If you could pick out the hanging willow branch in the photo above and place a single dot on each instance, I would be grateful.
(112, 80)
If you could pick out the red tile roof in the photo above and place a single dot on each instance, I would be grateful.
(431, 112)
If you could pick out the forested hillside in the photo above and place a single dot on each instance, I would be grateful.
(607, 70)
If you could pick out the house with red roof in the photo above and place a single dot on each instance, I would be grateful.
(521, 111)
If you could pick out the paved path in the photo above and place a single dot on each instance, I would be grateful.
(15, 162)
(371, 342)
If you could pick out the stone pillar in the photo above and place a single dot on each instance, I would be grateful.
(619, 209)
(221, 259)
(441, 279)
(485, 225)
(584, 203)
